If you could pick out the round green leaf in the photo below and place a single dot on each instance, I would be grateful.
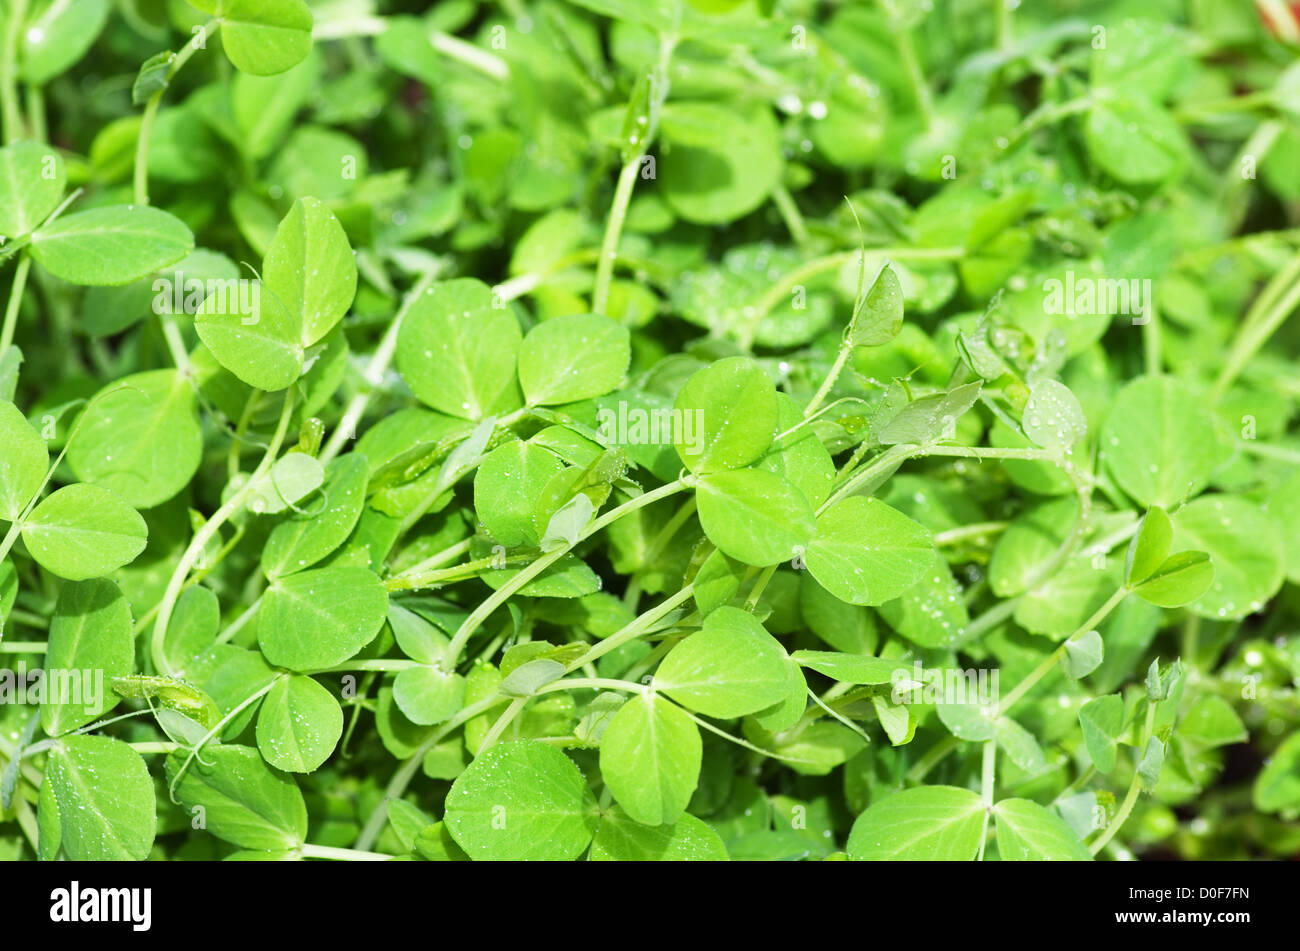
(1053, 417)
(521, 800)
(299, 724)
(253, 335)
(458, 353)
(1245, 547)
(717, 164)
(310, 268)
(91, 642)
(734, 403)
(1135, 140)
(620, 838)
(728, 669)
(866, 552)
(118, 444)
(1277, 787)
(754, 516)
(105, 798)
(1160, 441)
(927, 823)
(82, 531)
(1027, 831)
(309, 535)
(428, 696)
(23, 463)
(1150, 546)
(1101, 720)
(319, 618)
(111, 245)
(650, 758)
(244, 801)
(264, 37)
(507, 486)
(578, 357)
(32, 182)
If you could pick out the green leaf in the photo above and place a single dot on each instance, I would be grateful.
(1180, 580)
(291, 479)
(734, 403)
(319, 618)
(1020, 746)
(22, 465)
(1030, 539)
(620, 838)
(458, 353)
(729, 668)
(1101, 721)
(650, 757)
(717, 163)
(852, 668)
(1277, 787)
(299, 724)
(428, 696)
(105, 799)
(1135, 140)
(253, 335)
(1160, 441)
(241, 800)
(307, 536)
(880, 317)
(521, 800)
(1212, 722)
(1150, 546)
(931, 613)
(1151, 764)
(1245, 547)
(507, 487)
(866, 552)
(1083, 655)
(90, 643)
(58, 36)
(1053, 417)
(111, 245)
(1028, 832)
(264, 37)
(926, 823)
(152, 77)
(82, 531)
(117, 445)
(967, 721)
(32, 183)
(572, 358)
(754, 516)
(310, 269)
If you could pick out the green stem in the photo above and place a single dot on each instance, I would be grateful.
(791, 215)
(1278, 299)
(480, 614)
(1134, 788)
(841, 358)
(151, 109)
(1039, 672)
(987, 775)
(13, 116)
(590, 683)
(374, 374)
(205, 534)
(15, 303)
(309, 851)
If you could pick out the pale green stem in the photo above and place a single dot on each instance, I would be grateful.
(15, 302)
(987, 774)
(206, 533)
(13, 117)
(309, 851)
(1039, 672)
(374, 375)
(1134, 788)
(151, 109)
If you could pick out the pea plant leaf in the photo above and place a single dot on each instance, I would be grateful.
(82, 531)
(91, 642)
(865, 552)
(521, 800)
(111, 245)
(754, 516)
(1027, 831)
(650, 757)
(318, 618)
(927, 823)
(264, 37)
(32, 182)
(572, 358)
(730, 667)
(298, 724)
(735, 404)
(102, 821)
(24, 463)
